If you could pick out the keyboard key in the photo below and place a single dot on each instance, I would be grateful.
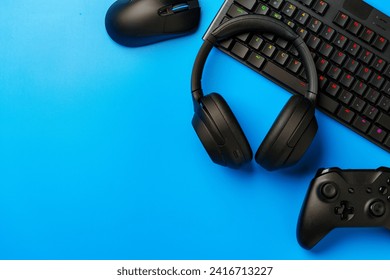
(377, 133)
(294, 65)
(334, 72)
(282, 43)
(302, 32)
(371, 112)
(249, 4)
(270, 37)
(354, 27)
(276, 3)
(243, 37)
(359, 87)
(327, 33)
(320, 7)
(256, 60)
(281, 58)
(380, 43)
(347, 80)
(226, 44)
(345, 114)
(384, 103)
(358, 104)
(364, 73)
(338, 57)
(268, 50)
(377, 81)
(314, 25)
(289, 23)
(333, 89)
(372, 95)
(322, 64)
(240, 50)
(326, 49)
(353, 48)
(322, 81)
(345, 97)
(302, 17)
(262, 10)
(341, 19)
(236, 11)
(378, 64)
(352, 65)
(256, 42)
(340, 41)
(289, 9)
(327, 103)
(276, 15)
(367, 35)
(366, 56)
(362, 124)
(313, 42)
(384, 121)
(386, 88)
(308, 3)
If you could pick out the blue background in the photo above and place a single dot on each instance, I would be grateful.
(98, 159)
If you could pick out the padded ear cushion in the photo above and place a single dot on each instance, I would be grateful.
(290, 135)
(220, 132)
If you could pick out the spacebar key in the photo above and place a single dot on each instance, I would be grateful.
(284, 78)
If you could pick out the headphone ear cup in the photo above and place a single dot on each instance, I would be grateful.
(290, 135)
(220, 132)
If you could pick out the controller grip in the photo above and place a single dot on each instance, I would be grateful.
(310, 231)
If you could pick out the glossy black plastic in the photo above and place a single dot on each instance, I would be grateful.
(356, 198)
(142, 22)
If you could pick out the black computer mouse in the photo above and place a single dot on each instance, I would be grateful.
(137, 23)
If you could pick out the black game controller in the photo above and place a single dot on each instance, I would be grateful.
(344, 198)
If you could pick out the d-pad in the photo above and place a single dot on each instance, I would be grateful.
(345, 211)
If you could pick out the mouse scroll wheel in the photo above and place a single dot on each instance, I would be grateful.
(174, 9)
(180, 7)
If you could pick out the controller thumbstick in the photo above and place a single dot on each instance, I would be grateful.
(377, 208)
(329, 190)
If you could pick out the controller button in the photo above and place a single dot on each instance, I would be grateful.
(377, 208)
(351, 190)
(329, 190)
(369, 190)
(345, 212)
(383, 190)
(388, 181)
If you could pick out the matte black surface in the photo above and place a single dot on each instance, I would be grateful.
(292, 132)
(365, 110)
(292, 127)
(220, 132)
(142, 22)
(343, 198)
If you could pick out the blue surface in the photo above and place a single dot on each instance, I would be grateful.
(98, 159)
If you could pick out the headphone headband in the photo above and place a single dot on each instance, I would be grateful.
(253, 23)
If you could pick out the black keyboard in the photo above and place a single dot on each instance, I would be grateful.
(349, 41)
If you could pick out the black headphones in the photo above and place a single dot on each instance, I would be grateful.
(217, 127)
